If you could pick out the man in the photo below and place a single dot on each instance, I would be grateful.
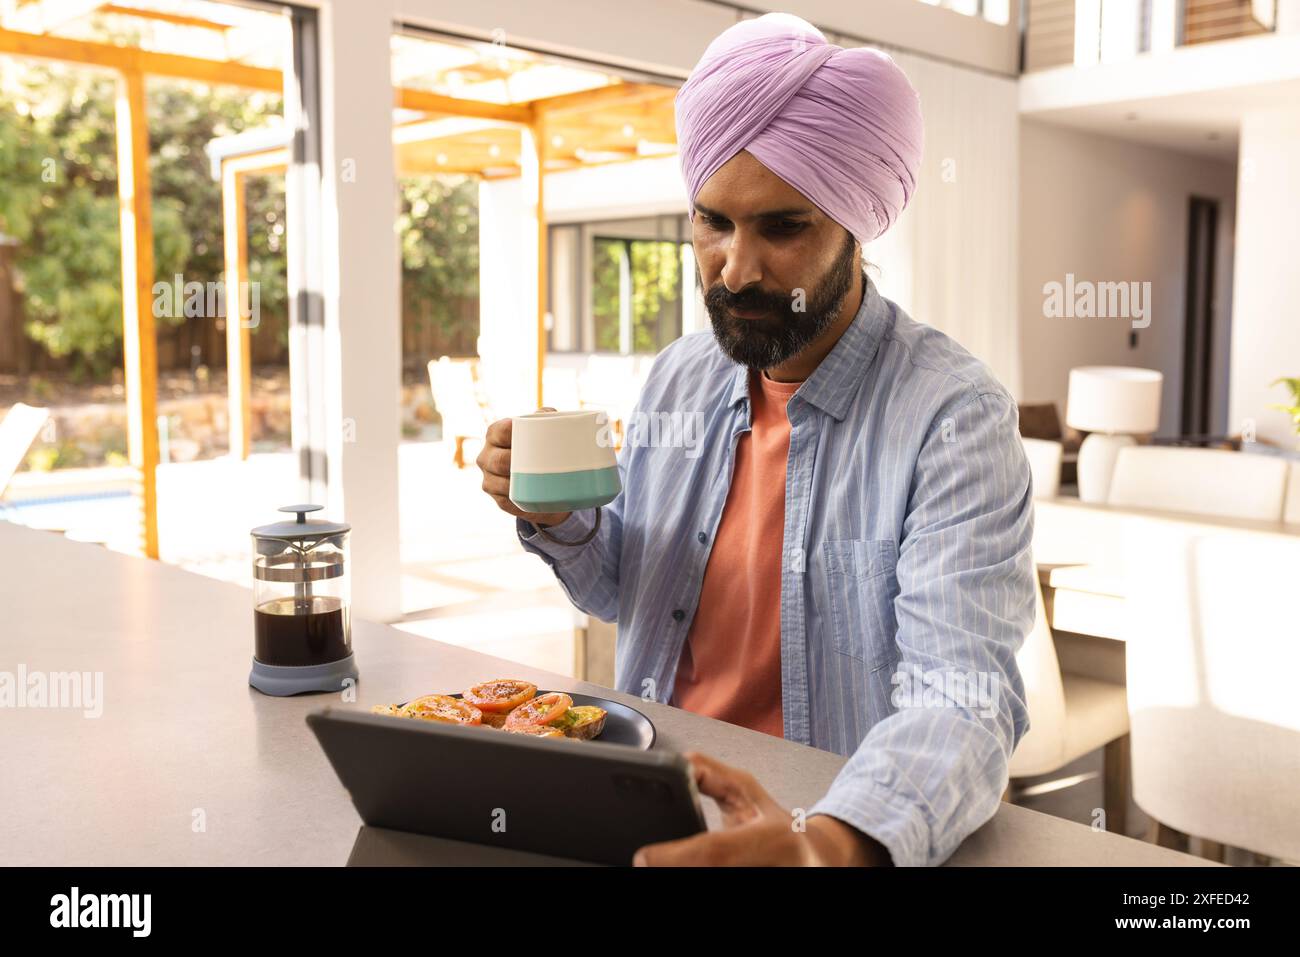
(843, 558)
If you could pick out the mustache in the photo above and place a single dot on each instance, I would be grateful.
(749, 299)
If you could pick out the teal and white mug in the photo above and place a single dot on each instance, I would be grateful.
(562, 461)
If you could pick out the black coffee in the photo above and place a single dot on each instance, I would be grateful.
(311, 631)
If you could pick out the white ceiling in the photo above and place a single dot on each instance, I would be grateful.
(1189, 99)
(1204, 123)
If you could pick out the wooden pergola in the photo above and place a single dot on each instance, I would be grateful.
(613, 122)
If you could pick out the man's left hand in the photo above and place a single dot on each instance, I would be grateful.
(756, 831)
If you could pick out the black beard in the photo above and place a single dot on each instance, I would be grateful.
(784, 332)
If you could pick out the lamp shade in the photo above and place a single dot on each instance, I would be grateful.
(1118, 400)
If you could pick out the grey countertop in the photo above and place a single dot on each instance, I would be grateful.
(188, 765)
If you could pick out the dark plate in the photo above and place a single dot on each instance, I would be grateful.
(623, 725)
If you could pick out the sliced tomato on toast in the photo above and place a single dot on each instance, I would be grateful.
(537, 731)
(444, 708)
(500, 696)
(543, 710)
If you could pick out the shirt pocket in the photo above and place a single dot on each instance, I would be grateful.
(862, 586)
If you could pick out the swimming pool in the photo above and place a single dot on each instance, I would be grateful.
(94, 515)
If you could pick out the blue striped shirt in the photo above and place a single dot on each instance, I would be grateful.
(907, 580)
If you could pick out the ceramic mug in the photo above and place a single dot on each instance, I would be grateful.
(562, 461)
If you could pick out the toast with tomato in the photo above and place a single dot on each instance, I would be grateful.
(509, 705)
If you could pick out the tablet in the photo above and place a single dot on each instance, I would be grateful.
(586, 800)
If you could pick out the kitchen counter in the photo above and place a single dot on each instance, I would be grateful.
(186, 764)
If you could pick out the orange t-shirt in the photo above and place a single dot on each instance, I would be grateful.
(730, 666)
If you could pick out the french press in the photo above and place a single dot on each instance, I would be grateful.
(301, 623)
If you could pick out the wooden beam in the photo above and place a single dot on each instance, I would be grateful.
(176, 19)
(234, 216)
(234, 224)
(428, 102)
(139, 348)
(132, 60)
(216, 72)
(603, 98)
(539, 146)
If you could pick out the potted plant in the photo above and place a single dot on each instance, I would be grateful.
(1293, 409)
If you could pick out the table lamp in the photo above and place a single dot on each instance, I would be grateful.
(1113, 404)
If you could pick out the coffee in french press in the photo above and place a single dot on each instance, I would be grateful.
(302, 630)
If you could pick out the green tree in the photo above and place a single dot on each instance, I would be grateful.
(438, 226)
(183, 118)
(605, 292)
(655, 268)
(58, 198)
(656, 274)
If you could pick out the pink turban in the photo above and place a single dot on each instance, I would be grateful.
(843, 127)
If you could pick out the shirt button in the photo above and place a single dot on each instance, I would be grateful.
(702, 537)
(678, 614)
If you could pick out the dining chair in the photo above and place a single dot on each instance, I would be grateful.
(1291, 510)
(1044, 465)
(1040, 420)
(1212, 664)
(1201, 481)
(1070, 715)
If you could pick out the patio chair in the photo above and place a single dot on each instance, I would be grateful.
(560, 388)
(456, 398)
(18, 431)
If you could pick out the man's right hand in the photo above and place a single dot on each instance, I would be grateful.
(494, 462)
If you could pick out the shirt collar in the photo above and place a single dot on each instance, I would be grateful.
(834, 382)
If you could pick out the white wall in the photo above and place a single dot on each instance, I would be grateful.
(669, 35)
(1110, 210)
(645, 187)
(1200, 68)
(915, 26)
(1288, 16)
(950, 259)
(1266, 319)
(507, 343)
(362, 334)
